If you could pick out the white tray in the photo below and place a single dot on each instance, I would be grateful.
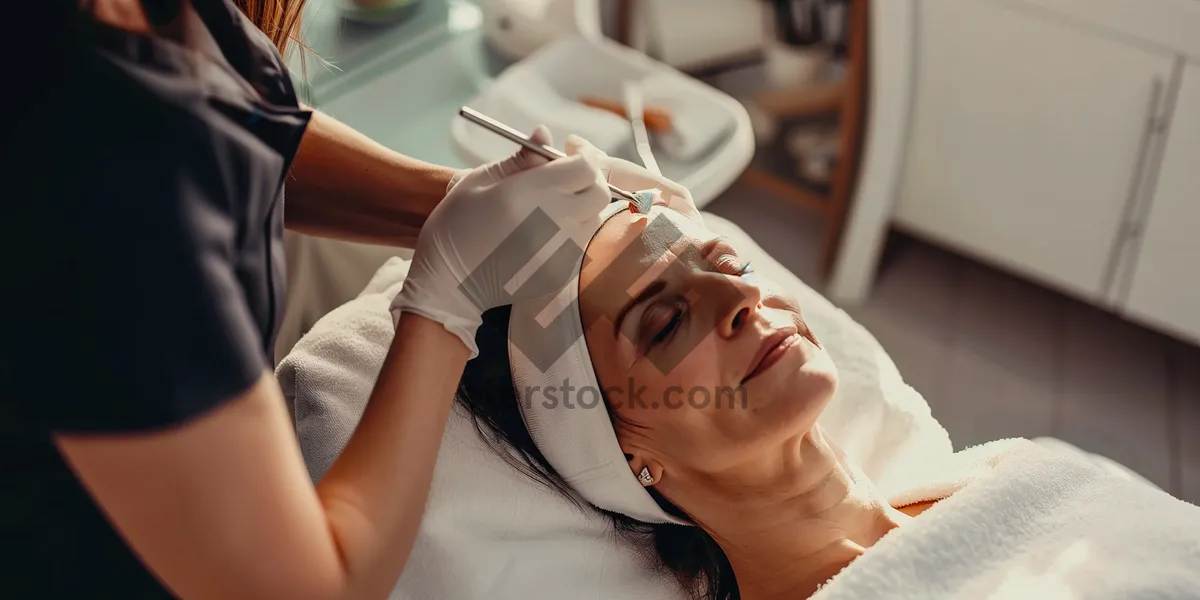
(575, 67)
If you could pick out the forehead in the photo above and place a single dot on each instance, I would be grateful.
(627, 240)
(630, 250)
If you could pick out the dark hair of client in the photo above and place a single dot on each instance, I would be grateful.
(486, 391)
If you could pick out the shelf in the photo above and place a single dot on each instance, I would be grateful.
(774, 168)
(807, 101)
(784, 188)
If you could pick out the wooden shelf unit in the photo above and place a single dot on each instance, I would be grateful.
(846, 99)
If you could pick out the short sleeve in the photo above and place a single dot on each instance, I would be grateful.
(131, 314)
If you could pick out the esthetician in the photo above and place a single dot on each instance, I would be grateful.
(146, 448)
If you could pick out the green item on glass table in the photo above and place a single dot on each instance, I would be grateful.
(387, 11)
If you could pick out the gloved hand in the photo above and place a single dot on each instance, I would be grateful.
(632, 178)
(466, 252)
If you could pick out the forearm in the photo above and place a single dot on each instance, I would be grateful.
(227, 493)
(344, 185)
(375, 493)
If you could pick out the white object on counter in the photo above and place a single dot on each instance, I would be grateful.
(576, 67)
(789, 67)
(522, 99)
(696, 33)
(517, 28)
(697, 124)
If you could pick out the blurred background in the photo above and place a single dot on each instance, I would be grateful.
(1006, 193)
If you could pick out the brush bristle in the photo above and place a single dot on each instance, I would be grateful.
(644, 201)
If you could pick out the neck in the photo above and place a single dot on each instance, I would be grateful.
(813, 519)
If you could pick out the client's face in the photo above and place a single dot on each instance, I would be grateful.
(707, 369)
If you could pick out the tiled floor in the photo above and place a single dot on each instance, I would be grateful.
(996, 356)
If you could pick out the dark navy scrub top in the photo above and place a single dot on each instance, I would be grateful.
(150, 282)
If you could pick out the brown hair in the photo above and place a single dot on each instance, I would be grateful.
(279, 19)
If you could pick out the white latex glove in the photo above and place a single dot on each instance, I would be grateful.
(466, 256)
(632, 177)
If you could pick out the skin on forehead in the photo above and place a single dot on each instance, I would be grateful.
(632, 250)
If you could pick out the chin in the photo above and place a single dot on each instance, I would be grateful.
(823, 376)
(797, 397)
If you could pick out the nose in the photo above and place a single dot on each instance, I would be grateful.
(739, 300)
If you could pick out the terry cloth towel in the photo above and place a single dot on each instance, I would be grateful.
(698, 123)
(1031, 521)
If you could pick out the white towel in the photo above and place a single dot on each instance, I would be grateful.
(522, 99)
(698, 122)
(1032, 521)
(328, 376)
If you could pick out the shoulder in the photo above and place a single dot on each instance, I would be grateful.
(274, 76)
(84, 156)
(110, 119)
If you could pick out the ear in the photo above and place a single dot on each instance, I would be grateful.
(647, 472)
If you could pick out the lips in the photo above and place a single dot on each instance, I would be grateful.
(772, 349)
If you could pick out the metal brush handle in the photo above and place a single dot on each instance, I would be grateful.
(513, 135)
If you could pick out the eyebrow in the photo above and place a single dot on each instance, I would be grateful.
(712, 244)
(651, 290)
(654, 288)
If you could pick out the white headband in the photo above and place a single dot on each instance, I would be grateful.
(574, 432)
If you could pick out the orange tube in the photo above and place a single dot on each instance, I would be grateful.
(658, 120)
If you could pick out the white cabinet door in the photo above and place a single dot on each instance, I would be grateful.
(1026, 139)
(1165, 290)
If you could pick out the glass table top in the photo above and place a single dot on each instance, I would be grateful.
(400, 84)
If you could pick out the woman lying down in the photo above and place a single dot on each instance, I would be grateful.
(673, 390)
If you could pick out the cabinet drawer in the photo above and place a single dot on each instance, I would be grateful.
(1164, 286)
(1027, 139)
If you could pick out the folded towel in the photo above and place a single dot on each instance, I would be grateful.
(328, 376)
(1029, 520)
(698, 123)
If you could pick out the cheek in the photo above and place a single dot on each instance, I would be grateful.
(667, 377)
(682, 435)
(700, 366)
(794, 404)
(676, 408)
(711, 439)
(693, 420)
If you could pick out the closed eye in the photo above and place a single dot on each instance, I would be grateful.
(660, 322)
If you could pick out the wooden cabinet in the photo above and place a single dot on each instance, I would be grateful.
(1028, 139)
(1161, 286)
